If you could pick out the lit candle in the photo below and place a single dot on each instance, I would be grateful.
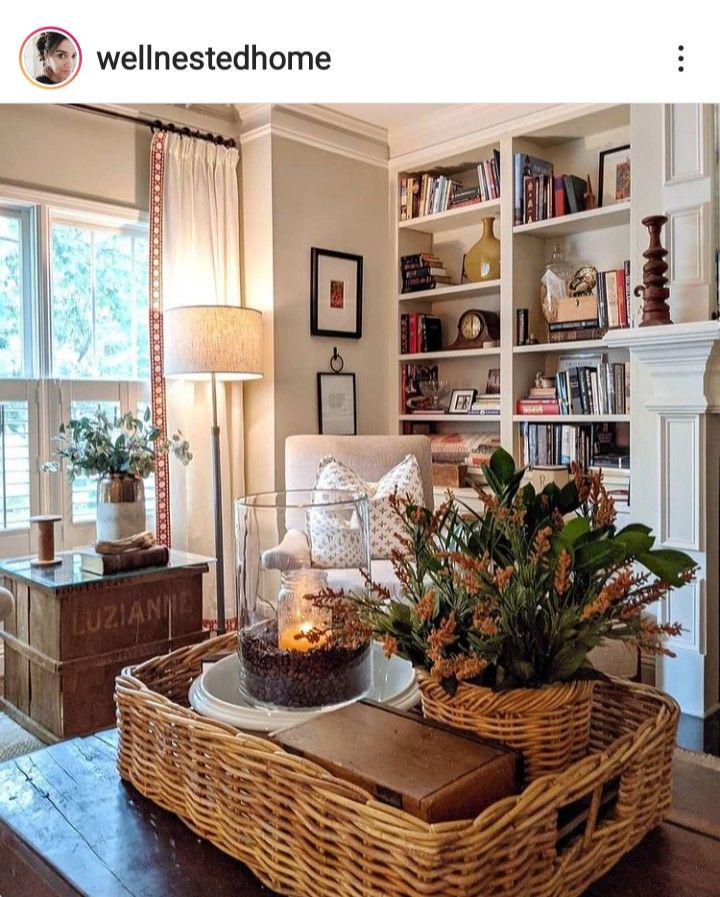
(297, 615)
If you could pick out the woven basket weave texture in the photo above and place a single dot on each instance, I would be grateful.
(304, 832)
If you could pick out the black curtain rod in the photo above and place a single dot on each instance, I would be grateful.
(156, 125)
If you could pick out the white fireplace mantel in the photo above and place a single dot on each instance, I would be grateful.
(675, 487)
(683, 360)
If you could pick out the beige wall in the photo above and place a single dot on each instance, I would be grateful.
(328, 200)
(67, 151)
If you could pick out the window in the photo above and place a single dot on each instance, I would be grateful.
(14, 465)
(73, 336)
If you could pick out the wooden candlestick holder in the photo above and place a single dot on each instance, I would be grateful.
(46, 540)
(653, 290)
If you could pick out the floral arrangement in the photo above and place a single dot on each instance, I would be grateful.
(518, 595)
(125, 444)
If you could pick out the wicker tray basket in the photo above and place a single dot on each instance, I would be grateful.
(304, 832)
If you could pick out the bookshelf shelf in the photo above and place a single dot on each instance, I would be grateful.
(571, 418)
(574, 345)
(467, 418)
(452, 292)
(449, 354)
(453, 218)
(577, 223)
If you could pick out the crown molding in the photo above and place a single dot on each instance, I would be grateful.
(315, 126)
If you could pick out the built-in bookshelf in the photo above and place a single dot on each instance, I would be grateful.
(569, 144)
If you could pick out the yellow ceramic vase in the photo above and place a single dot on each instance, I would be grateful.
(482, 261)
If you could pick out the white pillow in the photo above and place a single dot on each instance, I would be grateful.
(337, 543)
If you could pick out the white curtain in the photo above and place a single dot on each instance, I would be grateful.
(201, 266)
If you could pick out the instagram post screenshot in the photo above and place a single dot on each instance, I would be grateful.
(359, 450)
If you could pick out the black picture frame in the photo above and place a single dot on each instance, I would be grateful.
(461, 401)
(605, 159)
(344, 421)
(336, 278)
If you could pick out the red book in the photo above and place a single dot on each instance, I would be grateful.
(559, 196)
(621, 298)
(535, 406)
(413, 333)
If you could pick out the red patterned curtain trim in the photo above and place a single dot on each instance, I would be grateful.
(157, 380)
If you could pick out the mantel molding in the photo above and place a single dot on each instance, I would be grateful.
(684, 361)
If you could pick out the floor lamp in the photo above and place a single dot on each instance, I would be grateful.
(213, 342)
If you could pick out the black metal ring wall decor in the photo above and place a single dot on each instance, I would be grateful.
(336, 362)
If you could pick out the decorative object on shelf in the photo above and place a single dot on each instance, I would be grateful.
(633, 729)
(590, 198)
(653, 290)
(492, 385)
(521, 326)
(474, 328)
(472, 586)
(46, 540)
(554, 284)
(461, 401)
(295, 649)
(336, 287)
(434, 391)
(122, 453)
(482, 260)
(614, 176)
(216, 343)
(337, 409)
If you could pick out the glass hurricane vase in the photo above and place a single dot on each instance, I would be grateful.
(291, 547)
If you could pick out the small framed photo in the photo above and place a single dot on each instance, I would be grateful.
(337, 409)
(614, 176)
(336, 284)
(492, 387)
(461, 401)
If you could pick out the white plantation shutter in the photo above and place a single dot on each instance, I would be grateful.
(14, 465)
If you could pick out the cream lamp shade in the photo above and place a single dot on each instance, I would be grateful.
(200, 340)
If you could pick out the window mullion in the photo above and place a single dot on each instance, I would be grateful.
(42, 309)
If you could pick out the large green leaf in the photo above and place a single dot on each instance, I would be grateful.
(502, 465)
(575, 528)
(634, 542)
(595, 555)
(667, 564)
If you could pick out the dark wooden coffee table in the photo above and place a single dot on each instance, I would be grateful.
(69, 826)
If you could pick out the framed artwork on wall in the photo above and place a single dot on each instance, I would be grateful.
(336, 284)
(337, 408)
(614, 176)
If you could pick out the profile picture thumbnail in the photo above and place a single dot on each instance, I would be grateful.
(50, 57)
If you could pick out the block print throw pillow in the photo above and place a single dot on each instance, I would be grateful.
(335, 538)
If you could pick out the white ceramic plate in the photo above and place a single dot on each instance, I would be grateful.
(217, 694)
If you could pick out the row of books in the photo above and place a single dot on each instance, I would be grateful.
(613, 295)
(420, 333)
(583, 385)
(422, 271)
(589, 445)
(436, 191)
(539, 194)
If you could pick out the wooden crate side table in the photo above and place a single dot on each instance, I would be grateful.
(72, 632)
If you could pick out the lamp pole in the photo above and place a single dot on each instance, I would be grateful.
(217, 485)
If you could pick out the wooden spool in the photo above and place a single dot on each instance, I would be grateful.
(46, 540)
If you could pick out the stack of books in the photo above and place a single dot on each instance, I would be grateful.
(540, 194)
(540, 400)
(590, 445)
(422, 271)
(487, 404)
(613, 289)
(426, 194)
(593, 386)
(92, 561)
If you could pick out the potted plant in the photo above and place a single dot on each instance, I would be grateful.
(498, 611)
(121, 452)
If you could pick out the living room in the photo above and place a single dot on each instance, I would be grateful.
(314, 196)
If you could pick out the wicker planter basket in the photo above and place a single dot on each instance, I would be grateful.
(304, 832)
(550, 725)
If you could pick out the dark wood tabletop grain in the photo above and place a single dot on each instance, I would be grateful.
(70, 826)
